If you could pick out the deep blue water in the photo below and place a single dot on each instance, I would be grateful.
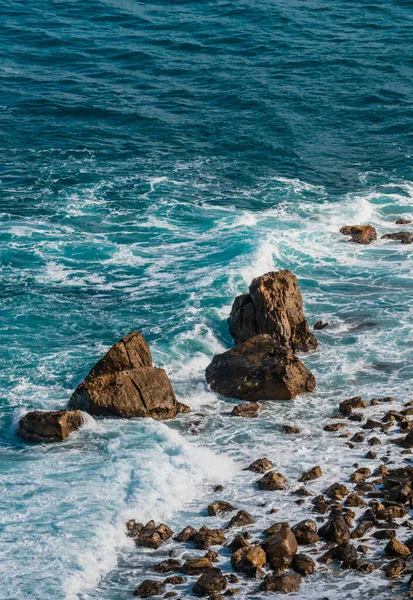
(155, 157)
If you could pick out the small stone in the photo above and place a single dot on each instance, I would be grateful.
(374, 441)
(371, 424)
(360, 234)
(395, 548)
(249, 560)
(336, 529)
(174, 580)
(347, 406)
(403, 222)
(337, 491)
(208, 537)
(371, 455)
(320, 325)
(361, 529)
(354, 501)
(306, 532)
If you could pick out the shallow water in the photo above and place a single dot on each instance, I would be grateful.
(156, 158)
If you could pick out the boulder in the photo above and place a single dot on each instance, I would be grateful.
(394, 568)
(152, 535)
(49, 426)
(165, 566)
(238, 542)
(395, 548)
(280, 547)
(259, 369)
(208, 537)
(347, 406)
(260, 465)
(306, 532)
(248, 410)
(249, 560)
(125, 384)
(287, 583)
(336, 529)
(273, 306)
(311, 474)
(403, 222)
(211, 582)
(291, 429)
(174, 580)
(303, 564)
(149, 588)
(360, 234)
(271, 481)
(220, 506)
(241, 519)
(187, 534)
(196, 566)
(320, 325)
(337, 491)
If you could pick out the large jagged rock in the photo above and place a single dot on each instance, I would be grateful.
(125, 384)
(49, 426)
(273, 306)
(259, 369)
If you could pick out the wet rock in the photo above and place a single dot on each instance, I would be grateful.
(320, 325)
(384, 534)
(182, 408)
(220, 506)
(321, 505)
(259, 369)
(394, 568)
(168, 565)
(49, 426)
(125, 384)
(371, 455)
(360, 234)
(186, 535)
(402, 221)
(211, 582)
(174, 580)
(248, 410)
(238, 542)
(249, 560)
(355, 501)
(337, 491)
(170, 594)
(196, 566)
(280, 547)
(303, 564)
(149, 588)
(306, 532)
(273, 306)
(241, 519)
(153, 536)
(360, 475)
(311, 474)
(347, 554)
(374, 441)
(336, 529)
(286, 583)
(334, 426)
(371, 424)
(212, 555)
(271, 481)
(395, 548)
(208, 537)
(405, 237)
(346, 407)
(291, 429)
(260, 465)
(133, 528)
(365, 567)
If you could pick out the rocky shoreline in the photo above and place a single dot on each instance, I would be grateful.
(345, 526)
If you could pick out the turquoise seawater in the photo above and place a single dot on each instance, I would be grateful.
(155, 157)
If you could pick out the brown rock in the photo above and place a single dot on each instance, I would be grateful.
(403, 236)
(354, 501)
(220, 506)
(211, 582)
(186, 535)
(335, 426)
(291, 429)
(212, 555)
(402, 221)
(360, 234)
(208, 537)
(306, 532)
(260, 465)
(249, 560)
(336, 529)
(241, 519)
(395, 548)
(336, 491)
(196, 566)
(360, 475)
(273, 306)
(247, 410)
(125, 384)
(170, 564)
(49, 426)
(238, 542)
(259, 369)
(149, 588)
(311, 474)
(286, 583)
(170, 594)
(271, 481)
(280, 547)
(346, 407)
(374, 441)
(174, 580)
(321, 505)
(394, 568)
(303, 564)
(182, 408)
(133, 528)
(153, 536)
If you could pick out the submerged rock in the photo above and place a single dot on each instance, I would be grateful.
(360, 234)
(125, 384)
(49, 426)
(259, 369)
(273, 306)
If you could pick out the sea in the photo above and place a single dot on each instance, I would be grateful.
(155, 158)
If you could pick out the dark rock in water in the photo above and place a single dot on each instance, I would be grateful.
(247, 410)
(249, 560)
(241, 519)
(125, 384)
(260, 465)
(291, 429)
(153, 536)
(170, 564)
(238, 542)
(311, 474)
(273, 306)
(271, 481)
(320, 325)
(174, 580)
(280, 546)
(306, 532)
(286, 583)
(337, 491)
(182, 408)
(394, 568)
(208, 537)
(196, 566)
(347, 406)
(259, 369)
(403, 222)
(50, 426)
(334, 426)
(355, 501)
(336, 529)
(212, 555)
(133, 528)
(360, 234)
(210, 582)
(321, 505)
(395, 548)
(220, 506)
(186, 535)
(149, 588)
(345, 553)
(303, 564)
(405, 237)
